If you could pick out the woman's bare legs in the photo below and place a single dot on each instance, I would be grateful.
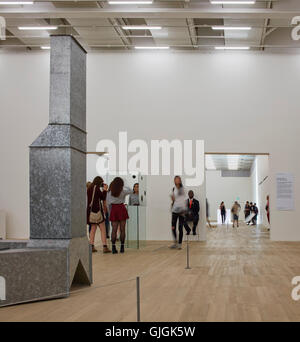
(103, 233)
(92, 236)
(103, 238)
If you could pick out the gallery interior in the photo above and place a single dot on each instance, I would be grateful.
(90, 89)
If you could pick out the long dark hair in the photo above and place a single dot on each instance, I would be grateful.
(116, 186)
(98, 181)
(180, 189)
(180, 185)
(134, 187)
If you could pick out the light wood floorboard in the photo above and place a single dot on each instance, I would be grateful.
(237, 275)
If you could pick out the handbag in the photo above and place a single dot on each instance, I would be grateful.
(95, 217)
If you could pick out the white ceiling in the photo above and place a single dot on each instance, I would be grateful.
(229, 162)
(185, 24)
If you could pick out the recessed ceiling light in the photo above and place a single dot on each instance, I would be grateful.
(244, 28)
(37, 28)
(128, 27)
(45, 47)
(151, 47)
(233, 162)
(209, 163)
(232, 2)
(16, 2)
(232, 47)
(130, 2)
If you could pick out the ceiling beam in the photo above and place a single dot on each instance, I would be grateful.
(266, 23)
(40, 12)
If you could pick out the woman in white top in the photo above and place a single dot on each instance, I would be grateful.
(179, 208)
(118, 212)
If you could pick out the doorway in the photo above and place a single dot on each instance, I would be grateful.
(238, 177)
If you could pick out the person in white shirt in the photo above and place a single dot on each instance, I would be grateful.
(179, 208)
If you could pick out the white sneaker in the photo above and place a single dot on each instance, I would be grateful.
(173, 246)
(179, 246)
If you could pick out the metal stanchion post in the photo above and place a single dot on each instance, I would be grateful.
(138, 299)
(138, 227)
(187, 254)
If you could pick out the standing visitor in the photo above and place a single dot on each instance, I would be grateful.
(252, 213)
(87, 186)
(134, 196)
(118, 212)
(223, 212)
(247, 211)
(255, 211)
(235, 213)
(192, 213)
(268, 209)
(179, 209)
(107, 224)
(207, 213)
(95, 213)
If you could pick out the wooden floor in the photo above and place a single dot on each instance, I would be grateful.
(237, 275)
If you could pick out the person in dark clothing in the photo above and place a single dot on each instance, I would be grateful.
(247, 210)
(223, 212)
(87, 186)
(193, 208)
(255, 211)
(268, 208)
(95, 196)
(251, 212)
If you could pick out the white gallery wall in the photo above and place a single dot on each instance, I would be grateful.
(234, 101)
(227, 189)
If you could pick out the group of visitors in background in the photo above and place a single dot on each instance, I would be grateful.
(250, 211)
(235, 211)
(105, 207)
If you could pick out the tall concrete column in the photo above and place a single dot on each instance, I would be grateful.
(58, 252)
(58, 160)
(57, 156)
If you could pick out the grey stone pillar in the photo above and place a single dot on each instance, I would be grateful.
(57, 156)
(58, 252)
(58, 160)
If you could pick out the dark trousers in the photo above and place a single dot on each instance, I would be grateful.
(107, 226)
(223, 215)
(195, 223)
(180, 218)
(247, 213)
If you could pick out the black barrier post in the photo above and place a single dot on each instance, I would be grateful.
(187, 254)
(138, 299)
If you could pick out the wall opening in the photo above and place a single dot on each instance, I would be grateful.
(242, 178)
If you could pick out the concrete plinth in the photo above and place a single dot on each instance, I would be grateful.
(43, 274)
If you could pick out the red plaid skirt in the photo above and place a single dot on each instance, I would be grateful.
(118, 213)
